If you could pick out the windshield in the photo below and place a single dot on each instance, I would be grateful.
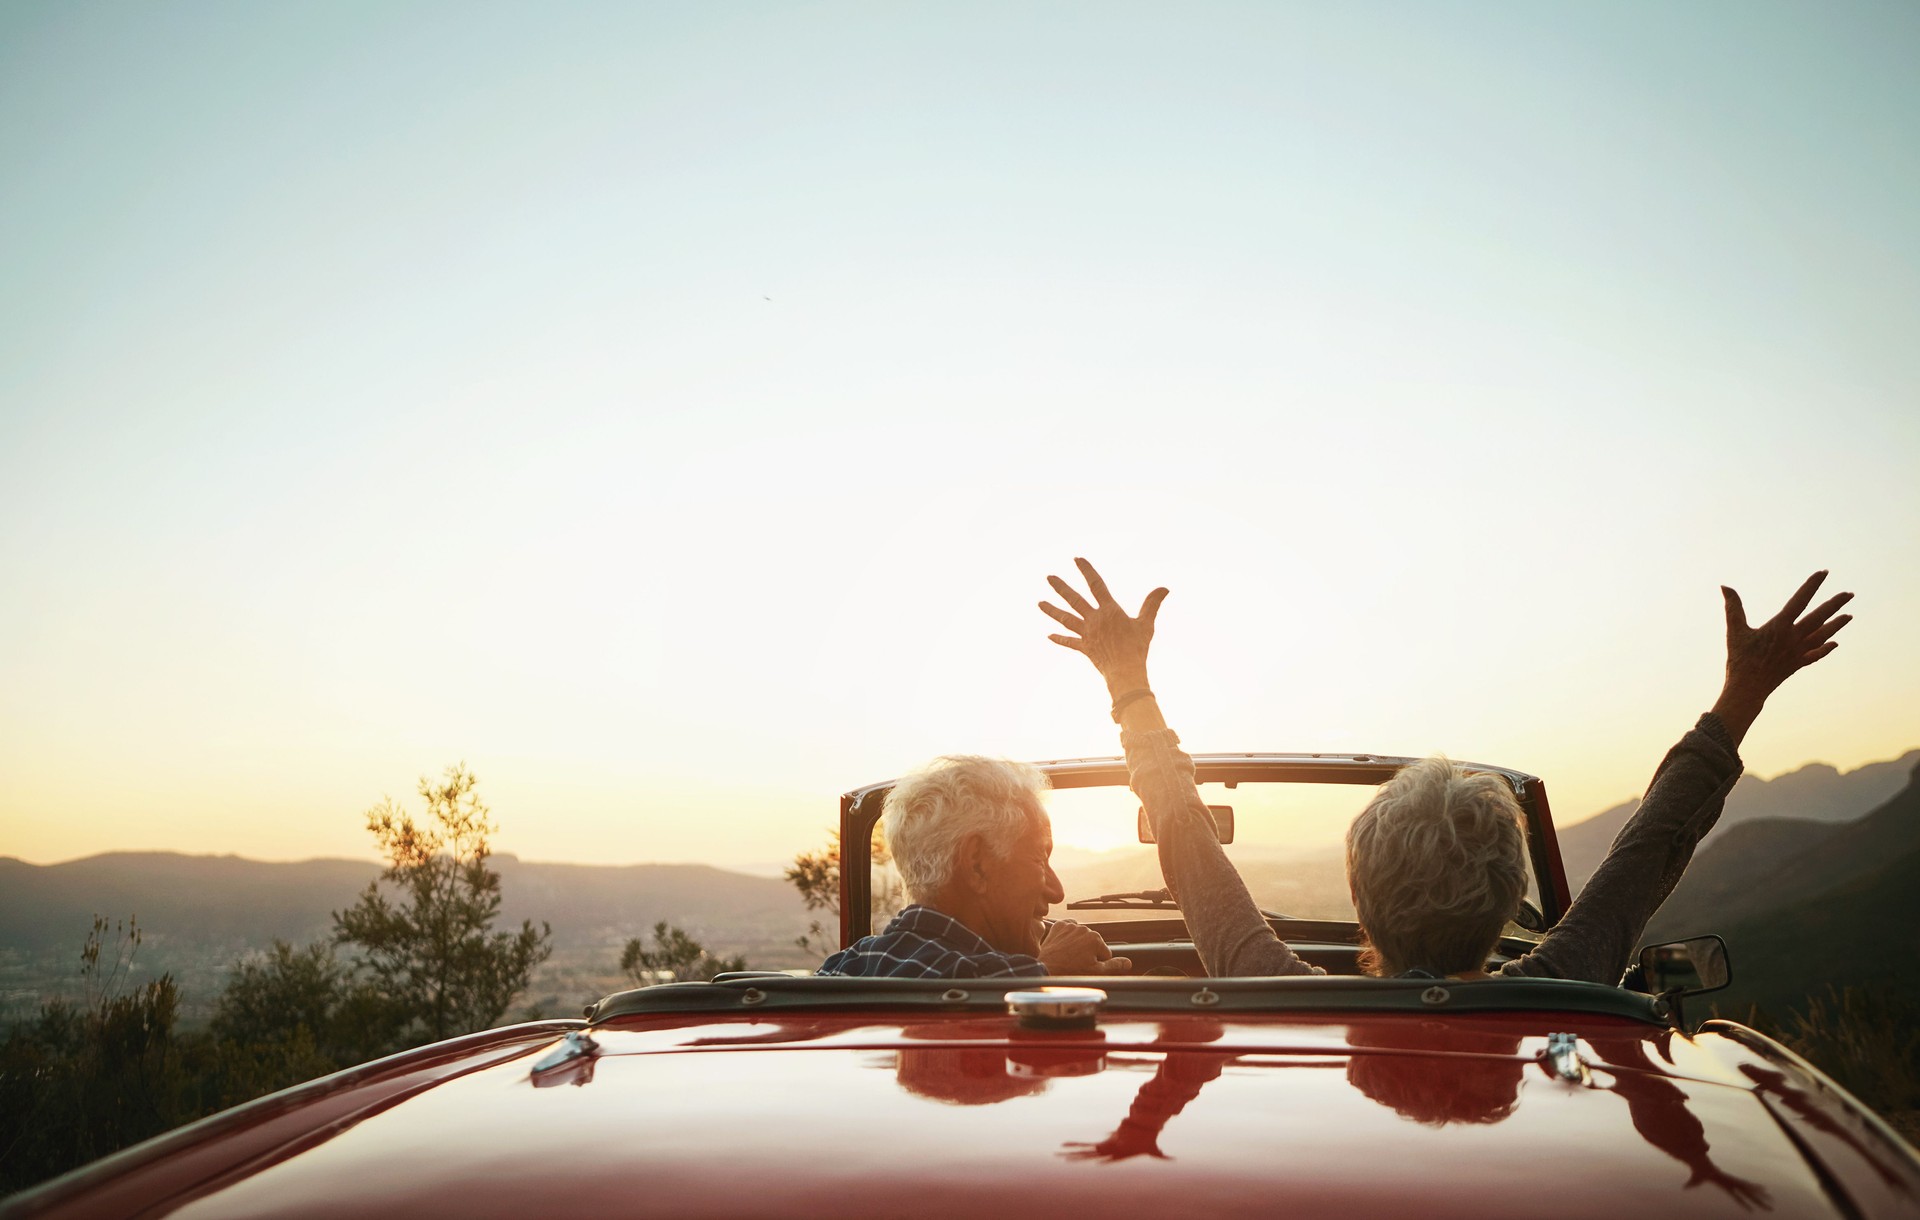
(1289, 845)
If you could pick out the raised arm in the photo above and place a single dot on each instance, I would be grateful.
(1229, 932)
(1688, 791)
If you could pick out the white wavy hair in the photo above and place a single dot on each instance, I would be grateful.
(1438, 865)
(931, 811)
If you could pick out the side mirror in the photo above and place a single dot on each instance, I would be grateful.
(1222, 823)
(1685, 967)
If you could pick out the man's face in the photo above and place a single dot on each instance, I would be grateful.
(1021, 887)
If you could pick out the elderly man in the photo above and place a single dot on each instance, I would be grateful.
(972, 845)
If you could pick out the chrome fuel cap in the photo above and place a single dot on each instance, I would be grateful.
(1056, 1007)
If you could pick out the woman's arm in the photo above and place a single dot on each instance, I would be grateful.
(1597, 938)
(1228, 930)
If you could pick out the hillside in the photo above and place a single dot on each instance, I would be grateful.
(1803, 904)
(1814, 793)
(176, 897)
(224, 898)
(199, 914)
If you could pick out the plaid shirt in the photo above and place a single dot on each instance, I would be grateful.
(921, 943)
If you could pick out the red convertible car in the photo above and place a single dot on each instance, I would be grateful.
(1159, 1094)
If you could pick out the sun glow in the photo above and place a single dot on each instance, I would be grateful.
(1267, 817)
(690, 445)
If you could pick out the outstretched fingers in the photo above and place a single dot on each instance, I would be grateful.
(1099, 628)
(1826, 631)
(1824, 611)
(1071, 596)
(1095, 585)
(1802, 597)
(1063, 618)
(1077, 626)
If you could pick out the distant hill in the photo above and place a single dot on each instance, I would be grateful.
(189, 898)
(201, 914)
(1814, 793)
(225, 898)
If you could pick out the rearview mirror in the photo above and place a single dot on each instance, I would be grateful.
(1686, 967)
(1222, 823)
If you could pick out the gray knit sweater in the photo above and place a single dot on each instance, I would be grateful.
(1594, 941)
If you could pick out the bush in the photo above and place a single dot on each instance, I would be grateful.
(1869, 1042)
(80, 1080)
(674, 958)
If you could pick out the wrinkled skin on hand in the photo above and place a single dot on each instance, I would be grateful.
(1116, 642)
(1074, 948)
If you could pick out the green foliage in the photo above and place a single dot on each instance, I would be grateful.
(432, 965)
(287, 1016)
(83, 1079)
(673, 957)
(816, 874)
(80, 1080)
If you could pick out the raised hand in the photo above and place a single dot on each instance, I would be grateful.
(1760, 658)
(1113, 640)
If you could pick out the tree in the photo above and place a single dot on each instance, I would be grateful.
(271, 994)
(430, 961)
(816, 874)
(286, 1016)
(674, 955)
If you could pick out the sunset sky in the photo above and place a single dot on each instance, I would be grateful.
(673, 411)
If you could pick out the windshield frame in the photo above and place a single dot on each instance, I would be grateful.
(860, 812)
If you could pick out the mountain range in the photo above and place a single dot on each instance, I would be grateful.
(1816, 793)
(1813, 877)
(198, 915)
(222, 898)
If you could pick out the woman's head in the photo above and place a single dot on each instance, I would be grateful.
(1437, 862)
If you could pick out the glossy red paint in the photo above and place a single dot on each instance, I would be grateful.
(867, 1114)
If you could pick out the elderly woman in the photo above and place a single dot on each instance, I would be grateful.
(1437, 860)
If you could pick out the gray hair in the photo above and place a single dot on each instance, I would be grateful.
(1438, 865)
(931, 811)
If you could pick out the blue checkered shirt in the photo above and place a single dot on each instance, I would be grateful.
(921, 943)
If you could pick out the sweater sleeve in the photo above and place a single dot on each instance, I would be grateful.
(1596, 938)
(1228, 930)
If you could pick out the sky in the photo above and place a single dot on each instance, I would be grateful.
(672, 411)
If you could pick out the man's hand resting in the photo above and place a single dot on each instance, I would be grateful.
(1073, 948)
